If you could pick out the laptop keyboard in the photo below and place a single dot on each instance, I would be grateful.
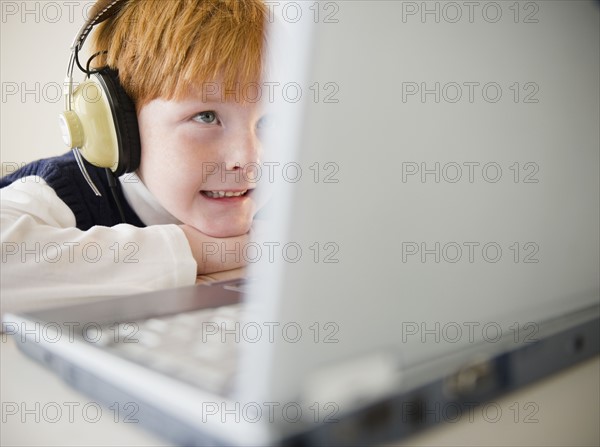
(198, 347)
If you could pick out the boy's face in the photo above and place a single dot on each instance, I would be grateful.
(196, 159)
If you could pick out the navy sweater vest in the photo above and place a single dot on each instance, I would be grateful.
(62, 174)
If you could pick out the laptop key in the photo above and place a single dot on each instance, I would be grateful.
(198, 347)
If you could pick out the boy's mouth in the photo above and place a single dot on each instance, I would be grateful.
(224, 194)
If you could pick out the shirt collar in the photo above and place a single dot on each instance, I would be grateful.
(143, 202)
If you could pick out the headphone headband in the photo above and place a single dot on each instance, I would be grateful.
(102, 10)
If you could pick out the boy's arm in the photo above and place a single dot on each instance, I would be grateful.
(46, 259)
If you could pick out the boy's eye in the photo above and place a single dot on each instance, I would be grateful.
(208, 117)
(264, 122)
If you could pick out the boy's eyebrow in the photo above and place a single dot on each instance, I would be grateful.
(216, 99)
(198, 98)
(207, 98)
(214, 92)
(212, 99)
(210, 93)
(199, 102)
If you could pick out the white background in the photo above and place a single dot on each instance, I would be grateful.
(35, 40)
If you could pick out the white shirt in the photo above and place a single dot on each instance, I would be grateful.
(46, 260)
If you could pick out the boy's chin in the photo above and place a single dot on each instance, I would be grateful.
(225, 230)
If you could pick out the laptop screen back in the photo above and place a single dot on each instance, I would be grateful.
(435, 183)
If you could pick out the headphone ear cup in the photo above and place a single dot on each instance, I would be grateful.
(125, 121)
(102, 124)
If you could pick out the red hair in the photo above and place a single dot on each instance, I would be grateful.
(163, 48)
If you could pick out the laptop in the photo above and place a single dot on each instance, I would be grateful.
(432, 237)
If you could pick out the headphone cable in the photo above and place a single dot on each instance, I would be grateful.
(112, 183)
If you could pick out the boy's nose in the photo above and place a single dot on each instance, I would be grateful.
(244, 151)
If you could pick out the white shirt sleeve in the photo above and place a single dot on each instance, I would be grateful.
(47, 260)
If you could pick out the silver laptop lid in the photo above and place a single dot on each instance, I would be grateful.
(436, 188)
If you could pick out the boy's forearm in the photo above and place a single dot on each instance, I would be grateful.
(45, 259)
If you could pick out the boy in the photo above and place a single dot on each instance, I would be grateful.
(59, 240)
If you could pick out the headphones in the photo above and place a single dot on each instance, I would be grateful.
(100, 121)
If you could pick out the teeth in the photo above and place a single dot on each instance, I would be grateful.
(220, 194)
